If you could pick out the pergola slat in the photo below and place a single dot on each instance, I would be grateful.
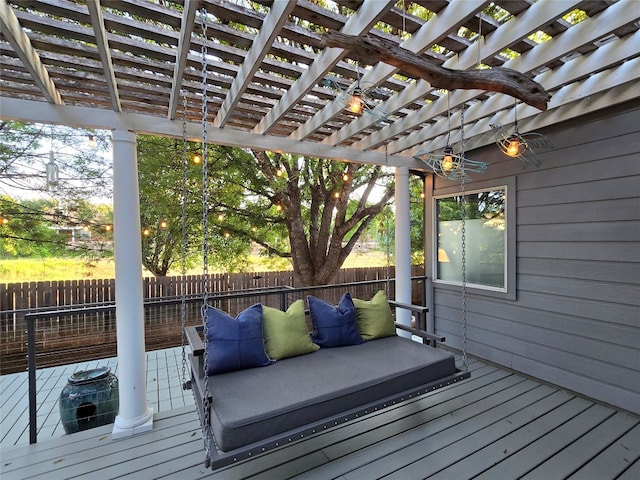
(267, 78)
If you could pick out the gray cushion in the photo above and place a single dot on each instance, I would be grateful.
(254, 404)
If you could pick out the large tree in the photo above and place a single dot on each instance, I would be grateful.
(311, 210)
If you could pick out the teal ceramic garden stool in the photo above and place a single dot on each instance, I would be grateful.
(90, 399)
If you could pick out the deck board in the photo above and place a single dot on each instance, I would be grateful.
(497, 424)
(529, 457)
(614, 460)
(164, 392)
(631, 473)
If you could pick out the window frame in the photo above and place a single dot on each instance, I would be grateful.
(509, 185)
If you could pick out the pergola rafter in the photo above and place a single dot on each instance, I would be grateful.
(360, 23)
(267, 68)
(97, 21)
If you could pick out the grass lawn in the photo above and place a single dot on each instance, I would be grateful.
(48, 269)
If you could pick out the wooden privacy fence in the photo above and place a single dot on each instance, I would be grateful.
(52, 294)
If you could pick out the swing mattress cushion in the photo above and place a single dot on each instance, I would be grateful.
(255, 404)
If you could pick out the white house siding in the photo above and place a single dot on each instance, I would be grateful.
(575, 321)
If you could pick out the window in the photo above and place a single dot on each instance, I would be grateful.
(486, 239)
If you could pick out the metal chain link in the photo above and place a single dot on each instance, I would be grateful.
(208, 434)
(183, 270)
(463, 215)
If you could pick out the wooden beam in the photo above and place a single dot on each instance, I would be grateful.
(366, 16)
(582, 34)
(20, 42)
(271, 25)
(184, 46)
(503, 80)
(105, 119)
(615, 85)
(97, 21)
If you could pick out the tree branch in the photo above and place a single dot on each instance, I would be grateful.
(371, 50)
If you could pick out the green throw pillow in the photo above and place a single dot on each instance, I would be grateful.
(374, 318)
(285, 333)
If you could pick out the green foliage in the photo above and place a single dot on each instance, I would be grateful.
(25, 232)
(575, 16)
(57, 206)
(416, 218)
(44, 228)
(160, 171)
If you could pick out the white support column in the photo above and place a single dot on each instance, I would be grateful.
(403, 247)
(134, 416)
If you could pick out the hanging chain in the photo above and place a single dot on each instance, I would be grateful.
(463, 215)
(183, 270)
(208, 434)
(205, 180)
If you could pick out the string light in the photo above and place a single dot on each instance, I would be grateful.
(163, 224)
(146, 232)
(92, 142)
(197, 159)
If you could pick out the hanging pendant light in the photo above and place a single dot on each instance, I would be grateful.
(355, 104)
(356, 99)
(513, 145)
(520, 146)
(448, 164)
(52, 173)
(51, 168)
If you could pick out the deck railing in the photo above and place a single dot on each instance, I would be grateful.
(72, 334)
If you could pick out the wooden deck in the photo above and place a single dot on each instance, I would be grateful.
(497, 425)
(164, 392)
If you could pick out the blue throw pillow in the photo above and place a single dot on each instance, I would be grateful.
(234, 344)
(334, 326)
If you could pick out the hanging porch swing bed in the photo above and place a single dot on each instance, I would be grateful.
(258, 391)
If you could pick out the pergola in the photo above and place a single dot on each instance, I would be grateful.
(130, 65)
(123, 64)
